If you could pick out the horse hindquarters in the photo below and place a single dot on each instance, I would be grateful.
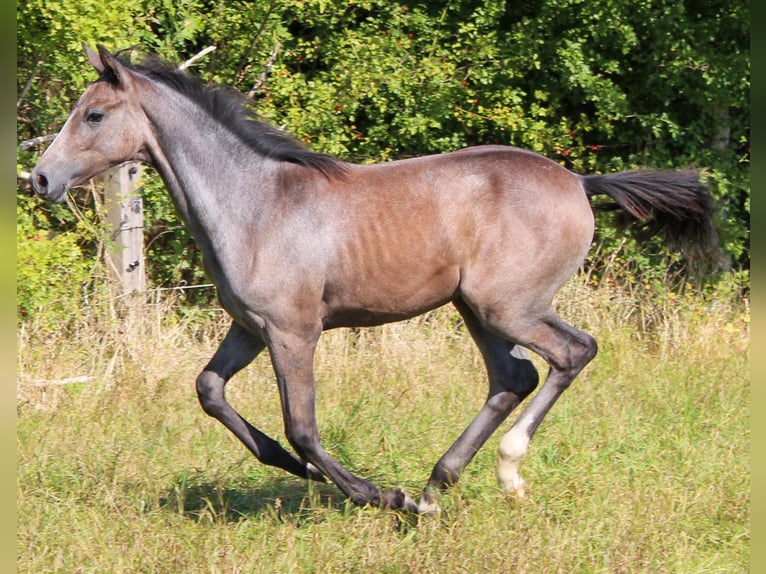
(537, 247)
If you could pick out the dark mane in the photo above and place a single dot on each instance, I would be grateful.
(229, 107)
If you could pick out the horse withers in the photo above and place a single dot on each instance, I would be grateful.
(298, 242)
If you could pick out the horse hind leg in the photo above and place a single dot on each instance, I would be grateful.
(567, 350)
(512, 377)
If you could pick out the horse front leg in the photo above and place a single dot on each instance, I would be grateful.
(237, 350)
(292, 356)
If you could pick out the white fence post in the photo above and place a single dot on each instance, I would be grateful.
(125, 215)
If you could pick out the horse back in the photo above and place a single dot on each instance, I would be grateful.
(411, 235)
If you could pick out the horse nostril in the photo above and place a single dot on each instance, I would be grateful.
(41, 181)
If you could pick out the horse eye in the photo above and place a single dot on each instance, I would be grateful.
(94, 117)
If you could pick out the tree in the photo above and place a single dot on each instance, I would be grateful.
(597, 86)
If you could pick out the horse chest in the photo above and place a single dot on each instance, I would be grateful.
(278, 299)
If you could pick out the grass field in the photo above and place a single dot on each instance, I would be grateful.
(642, 465)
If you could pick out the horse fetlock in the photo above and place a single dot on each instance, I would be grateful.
(511, 451)
(428, 504)
(513, 446)
(394, 499)
(445, 473)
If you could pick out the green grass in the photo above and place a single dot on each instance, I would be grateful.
(642, 465)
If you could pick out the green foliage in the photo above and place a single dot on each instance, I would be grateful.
(52, 274)
(597, 86)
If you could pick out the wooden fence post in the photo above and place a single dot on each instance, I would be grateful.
(125, 215)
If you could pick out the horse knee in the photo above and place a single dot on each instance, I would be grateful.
(303, 439)
(210, 393)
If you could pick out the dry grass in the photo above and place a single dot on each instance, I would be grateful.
(642, 466)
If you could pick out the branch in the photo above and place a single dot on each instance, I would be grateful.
(246, 56)
(196, 57)
(69, 381)
(26, 144)
(266, 69)
(28, 83)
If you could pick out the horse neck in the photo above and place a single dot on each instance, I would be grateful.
(220, 186)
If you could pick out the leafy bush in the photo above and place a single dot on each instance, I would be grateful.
(598, 87)
(53, 275)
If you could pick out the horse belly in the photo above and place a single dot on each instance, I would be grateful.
(388, 295)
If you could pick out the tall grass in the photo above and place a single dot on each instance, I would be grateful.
(641, 466)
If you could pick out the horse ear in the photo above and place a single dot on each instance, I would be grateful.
(112, 67)
(106, 64)
(93, 58)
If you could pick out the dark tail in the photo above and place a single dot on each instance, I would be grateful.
(671, 204)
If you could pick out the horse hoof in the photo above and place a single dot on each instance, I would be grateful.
(429, 508)
(514, 486)
(398, 499)
(518, 492)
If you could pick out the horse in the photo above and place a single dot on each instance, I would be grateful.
(298, 242)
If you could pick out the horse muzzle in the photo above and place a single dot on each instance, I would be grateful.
(47, 187)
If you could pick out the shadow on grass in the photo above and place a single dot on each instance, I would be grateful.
(282, 499)
(208, 500)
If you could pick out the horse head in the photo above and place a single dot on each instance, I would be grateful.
(107, 127)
